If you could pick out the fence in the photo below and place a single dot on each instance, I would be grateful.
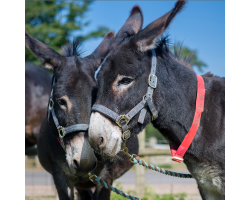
(39, 183)
(147, 149)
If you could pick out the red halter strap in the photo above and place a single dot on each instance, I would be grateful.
(177, 155)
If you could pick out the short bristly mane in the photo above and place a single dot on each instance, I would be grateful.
(163, 45)
(72, 49)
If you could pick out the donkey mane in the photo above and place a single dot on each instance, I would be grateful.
(163, 45)
(73, 49)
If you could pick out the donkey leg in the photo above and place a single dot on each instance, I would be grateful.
(223, 190)
(101, 193)
(202, 193)
(210, 194)
(85, 194)
(64, 188)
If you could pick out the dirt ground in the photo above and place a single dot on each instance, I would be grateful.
(37, 192)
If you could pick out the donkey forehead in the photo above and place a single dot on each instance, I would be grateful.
(127, 64)
(75, 64)
(70, 84)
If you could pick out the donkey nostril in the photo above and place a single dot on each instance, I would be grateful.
(100, 141)
(75, 164)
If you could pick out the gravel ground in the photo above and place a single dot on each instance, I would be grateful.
(39, 184)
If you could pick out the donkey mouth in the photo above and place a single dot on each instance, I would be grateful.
(101, 154)
(114, 150)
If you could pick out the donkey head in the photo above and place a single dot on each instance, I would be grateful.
(123, 79)
(74, 92)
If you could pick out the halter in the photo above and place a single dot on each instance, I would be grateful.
(123, 120)
(62, 131)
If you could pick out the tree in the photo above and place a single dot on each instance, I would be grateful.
(185, 52)
(53, 22)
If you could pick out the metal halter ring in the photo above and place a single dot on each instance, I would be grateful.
(144, 98)
(60, 131)
(125, 133)
(51, 103)
(122, 117)
(91, 176)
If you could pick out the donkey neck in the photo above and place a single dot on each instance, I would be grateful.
(175, 99)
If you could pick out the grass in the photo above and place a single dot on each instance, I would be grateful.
(149, 194)
(40, 197)
(165, 166)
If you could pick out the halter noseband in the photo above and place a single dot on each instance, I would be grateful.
(123, 120)
(62, 131)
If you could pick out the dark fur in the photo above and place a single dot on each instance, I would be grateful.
(175, 100)
(163, 45)
(74, 78)
(37, 91)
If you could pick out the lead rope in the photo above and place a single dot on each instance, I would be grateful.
(136, 159)
(97, 180)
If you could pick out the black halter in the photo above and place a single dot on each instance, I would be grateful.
(62, 131)
(123, 120)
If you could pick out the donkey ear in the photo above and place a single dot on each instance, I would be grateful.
(147, 37)
(132, 26)
(47, 56)
(102, 50)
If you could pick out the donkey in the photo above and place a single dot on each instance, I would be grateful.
(73, 92)
(123, 82)
(37, 91)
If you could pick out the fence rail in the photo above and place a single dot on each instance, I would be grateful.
(147, 148)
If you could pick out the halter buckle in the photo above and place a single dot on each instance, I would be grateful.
(126, 135)
(122, 117)
(60, 131)
(152, 81)
(177, 159)
(154, 114)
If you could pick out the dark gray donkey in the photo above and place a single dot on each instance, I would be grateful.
(123, 82)
(37, 91)
(70, 158)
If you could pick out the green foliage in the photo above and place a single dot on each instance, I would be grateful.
(149, 194)
(165, 166)
(151, 131)
(186, 52)
(52, 22)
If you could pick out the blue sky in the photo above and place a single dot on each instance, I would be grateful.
(201, 26)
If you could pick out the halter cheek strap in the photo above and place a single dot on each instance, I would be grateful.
(62, 131)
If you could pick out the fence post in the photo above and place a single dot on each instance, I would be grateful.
(139, 170)
(152, 142)
(38, 164)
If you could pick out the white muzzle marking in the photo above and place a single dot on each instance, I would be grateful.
(101, 126)
(74, 152)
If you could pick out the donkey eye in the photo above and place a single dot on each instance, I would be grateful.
(62, 102)
(125, 81)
